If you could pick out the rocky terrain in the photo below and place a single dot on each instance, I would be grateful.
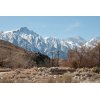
(50, 75)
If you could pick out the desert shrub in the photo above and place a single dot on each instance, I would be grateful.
(51, 79)
(6, 80)
(67, 78)
(95, 70)
(57, 71)
(74, 64)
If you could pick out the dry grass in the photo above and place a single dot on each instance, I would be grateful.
(6, 80)
(5, 70)
(42, 75)
(66, 78)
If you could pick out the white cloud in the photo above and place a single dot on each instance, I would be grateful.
(73, 26)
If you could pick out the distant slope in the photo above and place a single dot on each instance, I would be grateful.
(13, 56)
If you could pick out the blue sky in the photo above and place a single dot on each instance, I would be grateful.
(55, 26)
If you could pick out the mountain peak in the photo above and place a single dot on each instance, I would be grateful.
(77, 39)
(24, 28)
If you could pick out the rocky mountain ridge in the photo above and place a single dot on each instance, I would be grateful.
(28, 39)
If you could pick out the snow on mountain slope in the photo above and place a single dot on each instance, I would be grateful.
(23, 37)
(53, 45)
(32, 41)
(74, 41)
(92, 42)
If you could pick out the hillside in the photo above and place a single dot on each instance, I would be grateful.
(12, 56)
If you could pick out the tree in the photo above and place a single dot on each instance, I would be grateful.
(99, 54)
(97, 48)
(85, 56)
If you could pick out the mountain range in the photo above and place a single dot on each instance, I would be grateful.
(31, 41)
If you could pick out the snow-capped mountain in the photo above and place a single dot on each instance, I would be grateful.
(93, 42)
(25, 38)
(32, 41)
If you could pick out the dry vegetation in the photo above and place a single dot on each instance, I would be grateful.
(84, 57)
(47, 75)
(20, 66)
